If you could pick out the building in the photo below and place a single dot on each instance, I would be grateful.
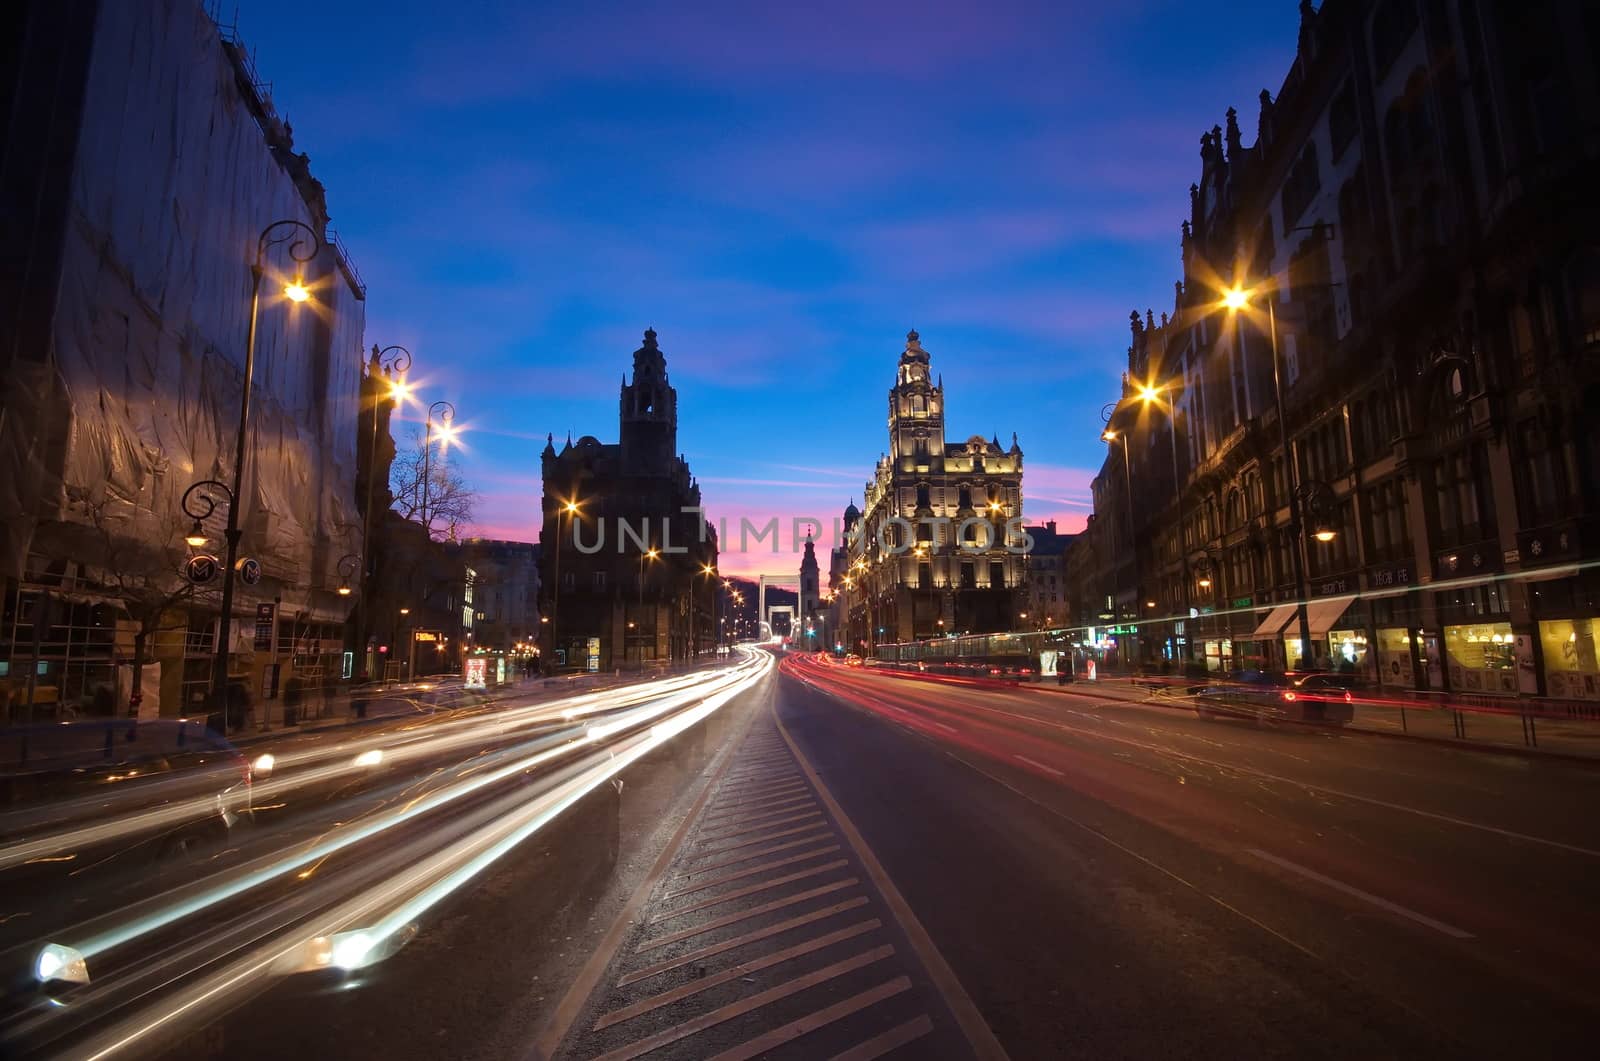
(627, 553)
(144, 165)
(1390, 420)
(1046, 600)
(505, 584)
(939, 546)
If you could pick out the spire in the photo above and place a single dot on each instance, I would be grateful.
(1264, 123)
(549, 445)
(1235, 140)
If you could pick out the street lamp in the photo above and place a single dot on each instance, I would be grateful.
(303, 245)
(568, 509)
(347, 567)
(447, 433)
(1234, 300)
(1110, 435)
(395, 362)
(1152, 395)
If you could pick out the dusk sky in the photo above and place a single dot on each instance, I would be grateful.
(781, 191)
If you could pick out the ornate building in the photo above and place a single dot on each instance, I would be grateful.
(628, 559)
(1392, 422)
(939, 547)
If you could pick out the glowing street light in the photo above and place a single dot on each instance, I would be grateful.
(196, 536)
(1235, 298)
(296, 290)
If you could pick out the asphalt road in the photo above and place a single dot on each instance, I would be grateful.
(1095, 879)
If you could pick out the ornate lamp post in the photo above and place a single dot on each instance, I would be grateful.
(304, 243)
(395, 361)
(447, 415)
(1109, 436)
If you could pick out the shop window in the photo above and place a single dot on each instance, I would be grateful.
(1571, 668)
(1481, 658)
(1395, 658)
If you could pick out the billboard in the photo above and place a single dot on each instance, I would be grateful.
(476, 672)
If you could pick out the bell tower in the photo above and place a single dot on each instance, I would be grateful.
(916, 408)
(649, 412)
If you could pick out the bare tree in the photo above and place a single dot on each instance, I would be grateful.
(146, 572)
(449, 501)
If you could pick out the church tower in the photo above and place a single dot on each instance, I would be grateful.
(916, 409)
(649, 413)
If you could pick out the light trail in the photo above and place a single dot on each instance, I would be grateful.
(390, 907)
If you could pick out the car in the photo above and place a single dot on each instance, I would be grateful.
(54, 777)
(1315, 696)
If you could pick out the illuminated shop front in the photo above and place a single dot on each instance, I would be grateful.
(1482, 658)
(1395, 667)
(1571, 670)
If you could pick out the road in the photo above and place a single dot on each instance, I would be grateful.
(846, 862)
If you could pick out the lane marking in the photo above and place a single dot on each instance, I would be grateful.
(1130, 852)
(753, 889)
(745, 1005)
(979, 1035)
(584, 984)
(1039, 766)
(776, 863)
(759, 934)
(1351, 890)
(747, 829)
(735, 817)
(1098, 735)
(763, 839)
(811, 1022)
(787, 845)
(940, 725)
(766, 961)
(892, 1039)
(745, 915)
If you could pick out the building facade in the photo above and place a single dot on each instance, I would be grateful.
(1046, 601)
(938, 547)
(144, 160)
(1385, 418)
(627, 555)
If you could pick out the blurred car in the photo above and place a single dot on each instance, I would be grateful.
(60, 775)
(852, 660)
(1316, 696)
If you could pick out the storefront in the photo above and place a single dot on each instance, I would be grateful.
(1396, 669)
(1571, 669)
(1219, 656)
(1481, 658)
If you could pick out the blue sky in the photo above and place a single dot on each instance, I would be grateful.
(781, 190)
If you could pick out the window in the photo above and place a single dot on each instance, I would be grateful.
(598, 583)
(1342, 120)
(925, 575)
(969, 575)
(1544, 486)
(964, 496)
(922, 495)
(1392, 27)
(1305, 180)
(1459, 491)
(1388, 528)
(569, 580)
(997, 574)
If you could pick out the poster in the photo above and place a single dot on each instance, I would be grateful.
(476, 672)
(1047, 663)
(594, 653)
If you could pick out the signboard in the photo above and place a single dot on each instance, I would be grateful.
(475, 672)
(348, 667)
(249, 570)
(264, 624)
(594, 654)
(425, 635)
(499, 670)
(200, 568)
(1243, 602)
(1047, 663)
(1092, 675)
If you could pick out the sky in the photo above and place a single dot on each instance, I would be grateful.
(781, 190)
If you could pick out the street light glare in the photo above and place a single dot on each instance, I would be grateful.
(296, 291)
(1148, 393)
(1326, 534)
(1235, 298)
(399, 390)
(1108, 435)
(196, 536)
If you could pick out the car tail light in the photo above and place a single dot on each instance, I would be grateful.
(1289, 697)
(1347, 696)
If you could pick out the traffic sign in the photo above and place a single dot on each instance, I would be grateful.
(249, 569)
(201, 568)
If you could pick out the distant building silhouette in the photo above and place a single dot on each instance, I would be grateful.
(609, 602)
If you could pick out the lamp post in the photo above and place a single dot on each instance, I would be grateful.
(347, 568)
(395, 361)
(447, 415)
(1152, 396)
(648, 554)
(304, 243)
(1109, 435)
(568, 508)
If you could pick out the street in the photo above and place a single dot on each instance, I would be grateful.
(842, 857)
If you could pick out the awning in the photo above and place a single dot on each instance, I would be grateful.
(1324, 614)
(1274, 623)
